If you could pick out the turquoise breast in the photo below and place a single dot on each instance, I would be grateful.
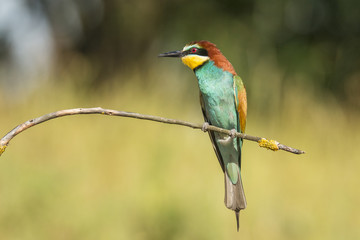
(216, 87)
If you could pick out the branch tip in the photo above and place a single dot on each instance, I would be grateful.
(2, 149)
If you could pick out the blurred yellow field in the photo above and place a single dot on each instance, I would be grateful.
(101, 177)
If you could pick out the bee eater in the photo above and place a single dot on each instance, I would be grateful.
(223, 102)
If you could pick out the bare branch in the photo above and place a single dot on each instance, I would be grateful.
(269, 144)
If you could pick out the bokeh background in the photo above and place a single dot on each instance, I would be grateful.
(97, 177)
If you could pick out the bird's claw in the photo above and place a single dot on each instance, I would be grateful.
(227, 140)
(205, 127)
(232, 133)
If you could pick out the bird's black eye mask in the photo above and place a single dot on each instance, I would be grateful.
(196, 51)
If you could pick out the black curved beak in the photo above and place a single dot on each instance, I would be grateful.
(171, 54)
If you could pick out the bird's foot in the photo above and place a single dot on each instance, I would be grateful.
(205, 127)
(233, 133)
(227, 140)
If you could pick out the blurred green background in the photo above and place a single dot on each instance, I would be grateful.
(98, 177)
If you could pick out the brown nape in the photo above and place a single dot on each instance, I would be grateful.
(216, 56)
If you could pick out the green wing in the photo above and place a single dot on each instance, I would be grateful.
(211, 135)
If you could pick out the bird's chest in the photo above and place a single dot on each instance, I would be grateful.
(218, 96)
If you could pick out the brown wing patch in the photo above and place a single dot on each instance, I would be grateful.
(242, 108)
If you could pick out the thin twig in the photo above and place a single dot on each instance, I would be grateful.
(269, 144)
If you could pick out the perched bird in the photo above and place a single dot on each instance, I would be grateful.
(223, 103)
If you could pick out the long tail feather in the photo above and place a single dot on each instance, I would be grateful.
(237, 220)
(234, 196)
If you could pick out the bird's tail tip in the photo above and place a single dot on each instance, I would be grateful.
(237, 220)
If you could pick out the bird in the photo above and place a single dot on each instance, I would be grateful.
(224, 104)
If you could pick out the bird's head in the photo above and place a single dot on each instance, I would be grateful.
(197, 53)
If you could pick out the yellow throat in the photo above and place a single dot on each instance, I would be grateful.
(193, 61)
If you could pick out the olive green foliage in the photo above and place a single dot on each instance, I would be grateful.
(314, 40)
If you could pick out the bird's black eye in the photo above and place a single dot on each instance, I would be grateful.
(193, 50)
